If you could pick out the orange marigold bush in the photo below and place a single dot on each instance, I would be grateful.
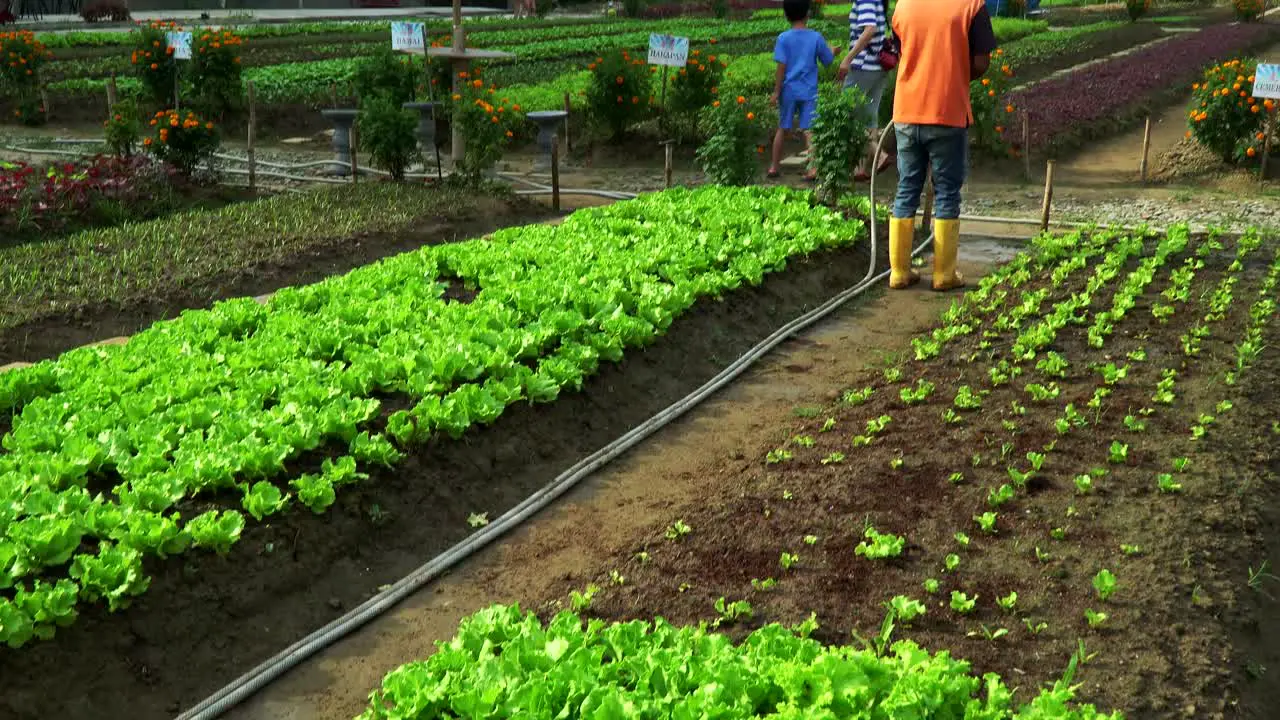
(488, 123)
(993, 110)
(215, 71)
(153, 62)
(694, 87)
(620, 92)
(1224, 116)
(182, 140)
(1248, 10)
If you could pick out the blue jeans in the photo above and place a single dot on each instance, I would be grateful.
(947, 150)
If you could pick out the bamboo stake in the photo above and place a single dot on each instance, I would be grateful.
(1026, 144)
(928, 205)
(668, 155)
(1048, 197)
(253, 121)
(333, 95)
(568, 139)
(1146, 149)
(555, 173)
(113, 93)
(1266, 147)
(355, 170)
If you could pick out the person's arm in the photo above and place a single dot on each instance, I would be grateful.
(982, 42)
(780, 57)
(868, 32)
(826, 55)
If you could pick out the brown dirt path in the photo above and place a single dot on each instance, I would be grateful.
(582, 530)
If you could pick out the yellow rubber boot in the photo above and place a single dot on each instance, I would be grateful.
(901, 233)
(946, 246)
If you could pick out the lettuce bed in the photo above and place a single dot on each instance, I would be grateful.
(118, 453)
(1091, 102)
(505, 664)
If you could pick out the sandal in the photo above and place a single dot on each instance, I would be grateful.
(863, 175)
(773, 174)
(811, 177)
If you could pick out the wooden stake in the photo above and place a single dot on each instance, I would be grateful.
(333, 95)
(568, 139)
(113, 93)
(1266, 147)
(253, 121)
(555, 173)
(1146, 149)
(669, 158)
(1026, 144)
(355, 170)
(1048, 197)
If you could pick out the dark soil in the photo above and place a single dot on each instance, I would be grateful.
(1166, 649)
(206, 620)
(58, 332)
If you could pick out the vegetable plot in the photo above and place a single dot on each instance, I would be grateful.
(116, 454)
(1044, 471)
(506, 664)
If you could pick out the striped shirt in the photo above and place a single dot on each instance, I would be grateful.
(866, 13)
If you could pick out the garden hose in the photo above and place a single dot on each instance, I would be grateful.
(262, 675)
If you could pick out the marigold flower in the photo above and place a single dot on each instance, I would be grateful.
(1250, 152)
(154, 66)
(619, 80)
(751, 116)
(742, 100)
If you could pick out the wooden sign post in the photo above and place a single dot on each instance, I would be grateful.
(1146, 150)
(555, 173)
(253, 121)
(1266, 87)
(1048, 197)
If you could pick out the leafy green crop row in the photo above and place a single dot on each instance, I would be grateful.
(506, 664)
(220, 401)
(186, 250)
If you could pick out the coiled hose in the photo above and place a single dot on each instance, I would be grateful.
(249, 683)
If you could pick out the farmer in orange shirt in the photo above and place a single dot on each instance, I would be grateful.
(945, 45)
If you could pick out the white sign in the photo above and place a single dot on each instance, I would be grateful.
(668, 50)
(1266, 81)
(180, 43)
(408, 37)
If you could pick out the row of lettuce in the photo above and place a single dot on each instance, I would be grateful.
(504, 663)
(113, 450)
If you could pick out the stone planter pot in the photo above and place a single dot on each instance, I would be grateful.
(426, 125)
(549, 123)
(342, 121)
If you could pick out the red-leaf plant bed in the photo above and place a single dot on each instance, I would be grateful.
(42, 202)
(205, 620)
(1099, 100)
(779, 528)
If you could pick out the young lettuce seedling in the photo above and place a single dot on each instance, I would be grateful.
(764, 585)
(1119, 453)
(1008, 602)
(1166, 484)
(1095, 619)
(1084, 484)
(777, 456)
(881, 545)
(581, 601)
(857, 397)
(678, 530)
(810, 539)
(1035, 628)
(788, 560)
(932, 586)
(956, 478)
(617, 578)
(1105, 583)
(962, 603)
(986, 521)
(952, 562)
(906, 609)
(1130, 550)
(962, 540)
(828, 426)
(731, 612)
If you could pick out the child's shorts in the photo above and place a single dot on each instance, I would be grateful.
(788, 108)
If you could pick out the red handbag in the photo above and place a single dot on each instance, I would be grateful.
(890, 52)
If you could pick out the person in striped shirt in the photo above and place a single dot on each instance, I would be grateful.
(868, 25)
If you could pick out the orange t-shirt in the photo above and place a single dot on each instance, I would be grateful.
(933, 73)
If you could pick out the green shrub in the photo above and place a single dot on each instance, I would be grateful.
(633, 8)
(387, 134)
(1224, 116)
(839, 139)
(730, 155)
(720, 8)
(619, 94)
(123, 129)
(387, 74)
(30, 111)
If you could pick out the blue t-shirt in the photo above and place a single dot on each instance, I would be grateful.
(801, 51)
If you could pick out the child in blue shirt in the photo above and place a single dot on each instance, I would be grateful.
(795, 91)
